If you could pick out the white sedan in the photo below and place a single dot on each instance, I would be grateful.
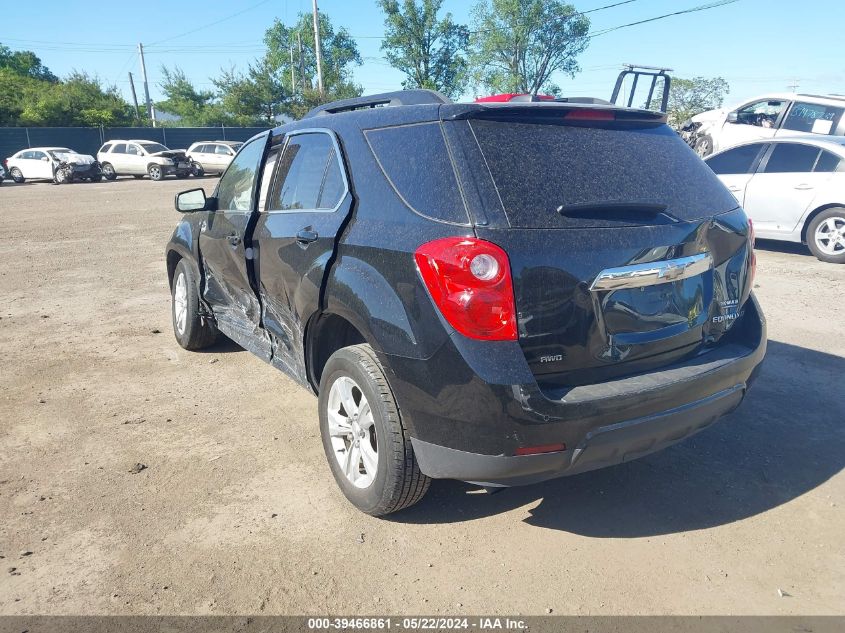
(792, 188)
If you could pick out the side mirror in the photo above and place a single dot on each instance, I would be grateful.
(194, 200)
(45, 159)
(733, 117)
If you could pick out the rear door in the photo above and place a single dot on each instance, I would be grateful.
(296, 233)
(627, 253)
(786, 184)
(226, 260)
(736, 167)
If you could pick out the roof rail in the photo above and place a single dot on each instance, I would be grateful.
(638, 70)
(397, 98)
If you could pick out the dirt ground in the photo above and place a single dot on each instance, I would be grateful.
(237, 511)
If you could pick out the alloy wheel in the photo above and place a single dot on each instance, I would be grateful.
(352, 431)
(830, 236)
(180, 303)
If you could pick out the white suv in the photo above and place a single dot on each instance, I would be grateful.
(142, 158)
(212, 157)
(781, 114)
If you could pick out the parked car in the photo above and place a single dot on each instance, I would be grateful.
(141, 158)
(59, 164)
(212, 157)
(537, 289)
(792, 188)
(771, 116)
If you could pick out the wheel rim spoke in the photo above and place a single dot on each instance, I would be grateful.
(352, 432)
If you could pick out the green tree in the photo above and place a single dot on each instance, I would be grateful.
(340, 55)
(255, 97)
(688, 97)
(183, 99)
(25, 63)
(427, 49)
(518, 44)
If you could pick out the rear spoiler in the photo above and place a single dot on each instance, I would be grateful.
(548, 110)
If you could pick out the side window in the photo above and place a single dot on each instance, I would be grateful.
(222, 149)
(38, 155)
(234, 193)
(25, 155)
(827, 162)
(105, 148)
(813, 118)
(133, 149)
(762, 113)
(120, 148)
(301, 171)
(333, 184)
(791, 158)
(738, 160)
(415, 160)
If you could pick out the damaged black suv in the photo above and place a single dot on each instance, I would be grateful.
(499, 293)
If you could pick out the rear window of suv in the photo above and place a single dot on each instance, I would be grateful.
(540, 168)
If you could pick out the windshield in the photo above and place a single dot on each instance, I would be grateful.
(154, 148)
(60, 153)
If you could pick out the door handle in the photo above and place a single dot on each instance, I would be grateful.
(234, 239)
(306, 236)
(804, 187)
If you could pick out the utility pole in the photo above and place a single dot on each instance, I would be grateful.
(794, 85)
(150, 109)
(134, 97)
(301, 66)
(317, 48)
(292, 72)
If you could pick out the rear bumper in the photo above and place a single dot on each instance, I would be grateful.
(471, 431)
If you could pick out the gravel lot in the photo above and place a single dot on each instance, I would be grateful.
(237, 512)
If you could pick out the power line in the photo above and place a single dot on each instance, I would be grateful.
(210, 24)
(702, 7)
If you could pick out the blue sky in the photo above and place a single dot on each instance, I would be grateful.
(742, 42)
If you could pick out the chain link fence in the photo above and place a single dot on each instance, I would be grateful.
(88, 140)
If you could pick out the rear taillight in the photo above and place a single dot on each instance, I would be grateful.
(751, 239)
(470, 282)
(539, 450)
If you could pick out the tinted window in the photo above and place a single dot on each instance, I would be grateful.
(333, 184)
(540, 167)
(301, 171)
(811, 117)
(735, 161)
(827, 162)
(38, 155)
(416, 162)
(234, 193)
(792, 157)
(105, 148)
(120, 148)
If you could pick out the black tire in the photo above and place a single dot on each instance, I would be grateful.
(108, 171)
(703, 146)
(198, 331)
(398, 482)
(818, 245)
(16, 175)
(138, 176)
(197, 171)
(155, 172)
(96, 178)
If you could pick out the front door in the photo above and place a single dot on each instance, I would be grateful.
(226, 283)
(296, 235)
(754, 121)
(135, 160)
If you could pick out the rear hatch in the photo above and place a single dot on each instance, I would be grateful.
(626, 251)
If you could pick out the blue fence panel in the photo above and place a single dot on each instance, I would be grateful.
(85, 140)
(12, 139)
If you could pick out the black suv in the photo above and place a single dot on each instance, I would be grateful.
(499, 293)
